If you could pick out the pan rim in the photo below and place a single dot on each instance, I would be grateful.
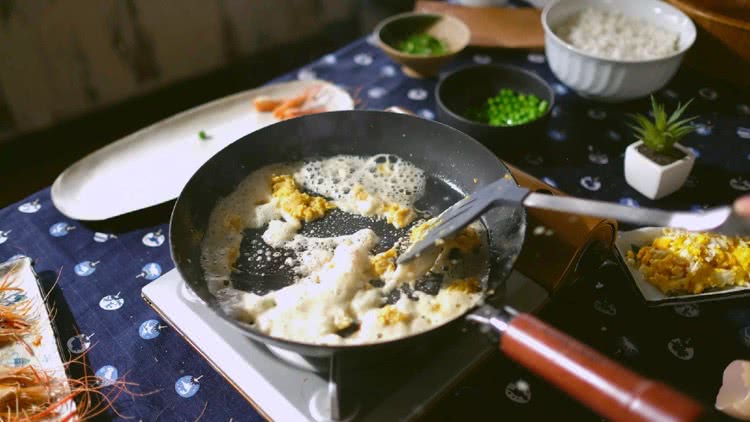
(294, 345)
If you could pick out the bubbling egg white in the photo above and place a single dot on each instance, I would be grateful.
(342, 293)
(385, 176)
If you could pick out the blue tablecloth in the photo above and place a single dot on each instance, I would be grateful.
(101, 275)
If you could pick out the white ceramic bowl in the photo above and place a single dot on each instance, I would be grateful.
(614, 80)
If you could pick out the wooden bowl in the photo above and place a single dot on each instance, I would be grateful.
(451, 31)
(722, 48)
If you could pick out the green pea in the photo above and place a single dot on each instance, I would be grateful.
(508, 108)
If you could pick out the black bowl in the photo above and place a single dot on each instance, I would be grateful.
(469, 87)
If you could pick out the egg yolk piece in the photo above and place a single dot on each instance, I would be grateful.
(384, 262)
(297, 203)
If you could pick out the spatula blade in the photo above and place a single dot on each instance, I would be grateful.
(463, 213)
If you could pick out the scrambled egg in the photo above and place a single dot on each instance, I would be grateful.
(419, 232)
(389, 315)
(684, 262)
(298, 204)
(395, 214)
(360, 193)
(467, 240)
(398, 215)
(465, 285)
(384, 262)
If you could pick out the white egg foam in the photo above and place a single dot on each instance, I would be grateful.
(387, 176)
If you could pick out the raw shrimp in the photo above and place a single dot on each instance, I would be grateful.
(296, 112)
(292, 107)
(295, 102)
(24, 391)
(16, 318)
(266, 104)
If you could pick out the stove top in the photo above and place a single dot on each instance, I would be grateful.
(281, 389)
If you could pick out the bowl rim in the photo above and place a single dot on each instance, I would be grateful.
(385, 46)
(512, 68)
(548, 32)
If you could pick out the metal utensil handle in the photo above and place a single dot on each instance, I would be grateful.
(603, 385)
(590, 207)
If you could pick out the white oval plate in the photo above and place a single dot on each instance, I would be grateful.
(151, 166)
(645, 236)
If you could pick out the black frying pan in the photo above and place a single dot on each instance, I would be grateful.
(452, 160)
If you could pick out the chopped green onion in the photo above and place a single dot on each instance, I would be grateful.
(202, 134)
(423, 45)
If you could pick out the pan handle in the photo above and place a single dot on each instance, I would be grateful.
(601, 384)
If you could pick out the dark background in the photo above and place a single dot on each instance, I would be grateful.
(31, 161)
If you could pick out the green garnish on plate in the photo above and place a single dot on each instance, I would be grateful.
(203, 136)
(509, 108)
(422, 45)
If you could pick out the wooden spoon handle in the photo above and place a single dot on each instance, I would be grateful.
(598, 382)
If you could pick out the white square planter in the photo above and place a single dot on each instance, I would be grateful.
(653, 180)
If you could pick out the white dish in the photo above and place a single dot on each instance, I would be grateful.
(636, 238)
(151, 166)
(614, 80)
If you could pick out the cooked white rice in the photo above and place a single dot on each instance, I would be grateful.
(613, 35)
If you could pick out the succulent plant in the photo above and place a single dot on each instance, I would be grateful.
(661, 134)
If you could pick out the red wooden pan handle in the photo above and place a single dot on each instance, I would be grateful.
(601, 384)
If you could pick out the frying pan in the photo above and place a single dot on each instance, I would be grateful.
(452, 161)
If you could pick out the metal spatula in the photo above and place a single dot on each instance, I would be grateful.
(505, 192)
